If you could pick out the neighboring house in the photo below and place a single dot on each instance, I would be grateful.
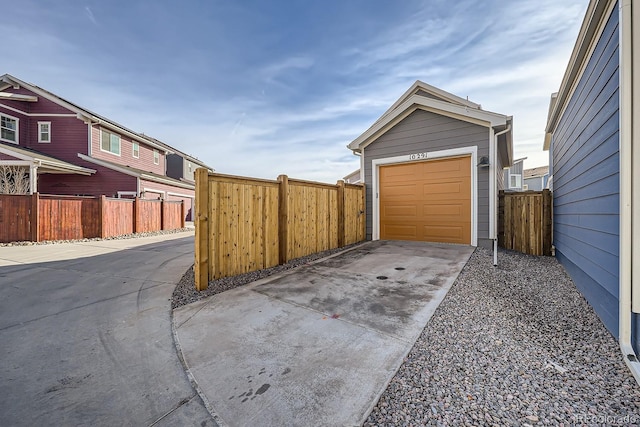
(535, 179)
(593, 135)
(70, 150)
(433, 164)
(353, 177)
(513, 176)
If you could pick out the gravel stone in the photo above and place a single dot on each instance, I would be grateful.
(511, 345)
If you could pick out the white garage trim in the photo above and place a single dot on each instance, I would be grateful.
(152, 190)
(186, 196)
(410, 158)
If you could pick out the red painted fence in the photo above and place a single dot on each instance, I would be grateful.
(39, 218)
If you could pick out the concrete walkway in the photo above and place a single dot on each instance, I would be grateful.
(86, 334)
(319, 344)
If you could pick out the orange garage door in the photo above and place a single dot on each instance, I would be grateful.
(426, 201)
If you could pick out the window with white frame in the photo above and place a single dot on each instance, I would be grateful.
(515, 180)
(156, 157)
(189, 166)
(44, 131)
(135, 150)
(110, 142)
(8, 129)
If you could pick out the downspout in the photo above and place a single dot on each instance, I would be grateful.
(493, 190)
(626, 190)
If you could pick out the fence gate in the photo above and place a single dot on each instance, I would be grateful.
(525, 221)
(15, 218)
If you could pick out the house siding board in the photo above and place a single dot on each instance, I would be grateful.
(104, 181)
(68, 138)
(585, 165)
(144, 162)
(413, 135)
(43, 106)
(8, 157)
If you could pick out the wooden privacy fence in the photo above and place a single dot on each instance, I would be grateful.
(525, 221)
(40, 218)
(246, 224)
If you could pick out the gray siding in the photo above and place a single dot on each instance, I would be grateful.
(534, 184)
(585, 165)
(425, 131)
(516, 169)
(428, 95)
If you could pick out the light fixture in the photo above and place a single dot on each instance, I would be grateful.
(484, 162)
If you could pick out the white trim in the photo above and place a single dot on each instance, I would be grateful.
(122, 169)
(171, 193)
(16, 130)
(24, 113)
(33, 179)
(454, 152)
(629, 229)
(119, 142)
(16, 163)
(133, 151)
(153, 190)
(493, 148)
(18, 97)
(127, 193)
(415, 102)
(40, 140)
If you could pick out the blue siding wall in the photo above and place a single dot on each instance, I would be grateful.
(585, 168)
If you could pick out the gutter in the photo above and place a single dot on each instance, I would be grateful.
(493, 190)
(627, 227)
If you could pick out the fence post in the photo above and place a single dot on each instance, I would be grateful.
(283, 219)
(103, 199)
(134, 218)
(162, 216)
(182, 214)
(35, 217)
(341, 213)
(201, 266)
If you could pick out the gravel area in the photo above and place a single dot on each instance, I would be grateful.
(122, 237)
(185, 292)
(512, 345)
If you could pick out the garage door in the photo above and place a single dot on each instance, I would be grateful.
(426, 201)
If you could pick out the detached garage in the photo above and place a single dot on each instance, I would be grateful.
(433, 165)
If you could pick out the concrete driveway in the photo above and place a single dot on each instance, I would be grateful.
(319, 344)
(86, 334)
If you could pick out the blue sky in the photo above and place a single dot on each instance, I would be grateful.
(261, 88)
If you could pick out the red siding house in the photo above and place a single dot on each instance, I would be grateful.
(68, 150)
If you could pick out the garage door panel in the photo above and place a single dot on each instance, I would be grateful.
(402, 232)
(448, 210)
(428, 201)
(410, 211)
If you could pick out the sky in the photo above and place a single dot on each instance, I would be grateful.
(261, 88)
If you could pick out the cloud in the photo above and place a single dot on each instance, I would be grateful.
(89, 13)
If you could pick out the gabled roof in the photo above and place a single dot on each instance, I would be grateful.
(421, 96)
(45, 162)
(8, 80)
(535, 172)
(138, 173)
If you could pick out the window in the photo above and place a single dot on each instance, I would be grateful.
(515, 181)
(8, 129)
(135, 150)
(189, 166)
(44, 131)
(156, 157)
(110, 142)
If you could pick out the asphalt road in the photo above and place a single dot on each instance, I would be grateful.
(85, 334)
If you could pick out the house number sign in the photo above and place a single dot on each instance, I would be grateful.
(418, 156)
